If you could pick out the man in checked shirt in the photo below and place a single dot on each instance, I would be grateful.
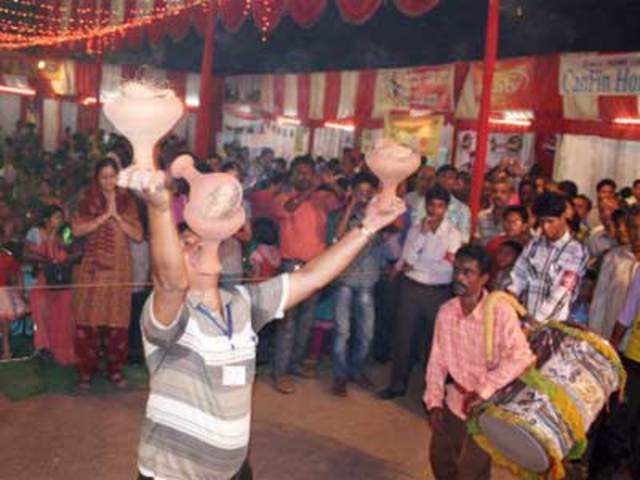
(546, 275)
(458, 353)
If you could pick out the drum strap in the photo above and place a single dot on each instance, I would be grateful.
(490, 302)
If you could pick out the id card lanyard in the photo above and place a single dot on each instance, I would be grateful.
(228, 331)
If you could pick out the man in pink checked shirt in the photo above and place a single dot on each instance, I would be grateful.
(458, 353)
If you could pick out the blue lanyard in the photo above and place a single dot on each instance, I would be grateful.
(227, 331)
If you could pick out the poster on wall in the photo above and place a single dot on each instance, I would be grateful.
(515, 150)
(420, 133)
(329, 142)
(420, 88)
(512, 84)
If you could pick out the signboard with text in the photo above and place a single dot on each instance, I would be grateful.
(512, 84)
(597, 75)
(420, 88)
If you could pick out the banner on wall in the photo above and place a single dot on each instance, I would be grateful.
(512, 84)
(419, 87)
(60, 75)
(421, 134)
(513, 149)
(329, 142)
(600, 74)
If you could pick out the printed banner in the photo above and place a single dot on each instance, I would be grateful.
(420, 87)
(599, 74)
(512, 84)
(421, 134)
(515, 150)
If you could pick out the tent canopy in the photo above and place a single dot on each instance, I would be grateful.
(99, 25)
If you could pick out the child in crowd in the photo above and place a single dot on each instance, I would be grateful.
(515, 223)
(580, 308)
(504, 260)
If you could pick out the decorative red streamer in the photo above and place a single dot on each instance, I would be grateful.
(157, 30)
(306, 12)
(304, 96)
(267, 14)
(233, 13)
(415, 8)
(358, 11)
(332, 89)
(135, 36)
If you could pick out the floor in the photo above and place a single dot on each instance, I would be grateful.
(307, 436)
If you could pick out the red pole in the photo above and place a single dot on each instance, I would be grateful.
(203, 127)
(490, 54)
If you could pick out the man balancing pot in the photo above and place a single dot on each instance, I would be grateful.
(200, 341)
(458, 352)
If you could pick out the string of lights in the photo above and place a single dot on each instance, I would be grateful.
(20, 29)
(31, 23)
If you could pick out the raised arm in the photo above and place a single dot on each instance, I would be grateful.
(169, 272)
(328, 265)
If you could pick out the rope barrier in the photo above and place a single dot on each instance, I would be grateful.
(222, 277)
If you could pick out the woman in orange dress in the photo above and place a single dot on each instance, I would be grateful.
(107, 218)
(51, 307)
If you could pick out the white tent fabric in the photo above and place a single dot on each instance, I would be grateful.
(10, 108)
(192, 90)
(105, 124)
(51, 121)
(69, 116)
(588, 159)
(329, 142)
(190, 135)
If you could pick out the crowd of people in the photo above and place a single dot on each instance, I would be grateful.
(77, 246)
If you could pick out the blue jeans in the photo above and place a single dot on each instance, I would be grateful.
(292, 332)
(364, 320)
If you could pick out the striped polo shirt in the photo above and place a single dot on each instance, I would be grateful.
(198, 414)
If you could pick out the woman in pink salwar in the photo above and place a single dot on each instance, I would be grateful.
(50, 304)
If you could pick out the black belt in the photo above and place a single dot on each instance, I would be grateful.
(436, 286)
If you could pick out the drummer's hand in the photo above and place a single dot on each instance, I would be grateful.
(469, 402)
(150, 185)
(530, 325)
(579, 326)
(436, 419)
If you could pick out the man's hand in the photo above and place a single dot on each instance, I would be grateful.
(436, 419)
(470, 401)
(150, 185)
(382, 212)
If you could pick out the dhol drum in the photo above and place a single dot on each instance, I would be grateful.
(542, 418)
